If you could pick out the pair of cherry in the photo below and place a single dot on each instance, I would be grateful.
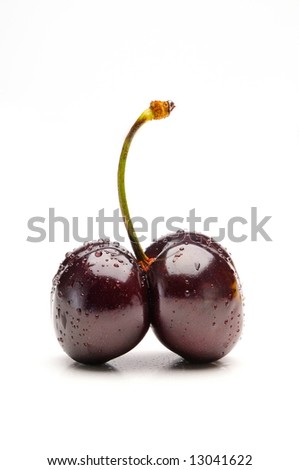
(185, 285)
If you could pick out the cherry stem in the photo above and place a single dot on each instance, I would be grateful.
(157, 110)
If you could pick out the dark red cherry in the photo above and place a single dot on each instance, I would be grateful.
(99, 303)
(102, 299)
(196, 303)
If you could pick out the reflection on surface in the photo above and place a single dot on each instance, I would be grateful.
(183, 365)
(150, 362)
(76, 366)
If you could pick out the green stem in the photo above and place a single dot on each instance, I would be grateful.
(157, 110)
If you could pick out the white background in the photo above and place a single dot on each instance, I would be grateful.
(74, 76)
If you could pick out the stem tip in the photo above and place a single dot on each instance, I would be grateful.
(161, 109)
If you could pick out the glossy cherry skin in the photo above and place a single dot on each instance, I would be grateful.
(196, 302)
(99, 303)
